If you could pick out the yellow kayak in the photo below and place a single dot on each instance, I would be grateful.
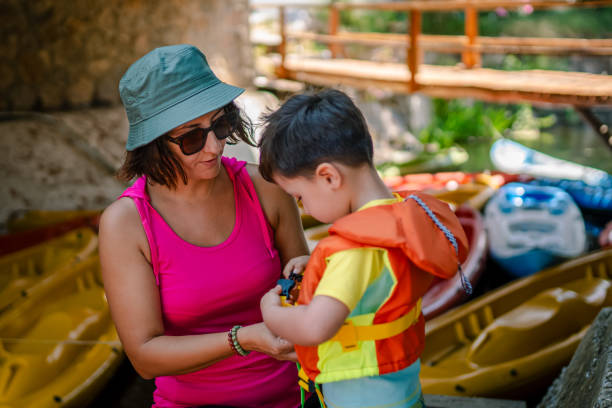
(315, 234)
(519, 336)
(472, 194)
(59, 346)
(19, 271)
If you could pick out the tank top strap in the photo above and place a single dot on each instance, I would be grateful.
(138, 193)
(240, 176)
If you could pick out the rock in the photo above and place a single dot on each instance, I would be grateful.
(81, 92)
(51, 95)
(84, 47)
(587, 380)
(106, 91)
(22, 97)
(99, 67)
(6, 75)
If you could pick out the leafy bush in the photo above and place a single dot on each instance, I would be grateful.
(457, 122)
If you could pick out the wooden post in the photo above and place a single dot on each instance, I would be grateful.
(334, 23)
(470, 57)
(282, 48)
(413, 52)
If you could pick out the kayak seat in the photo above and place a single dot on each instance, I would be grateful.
(545, 319)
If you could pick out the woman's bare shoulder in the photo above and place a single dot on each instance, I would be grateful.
(261, 184)
(272, 198)
(122, 217)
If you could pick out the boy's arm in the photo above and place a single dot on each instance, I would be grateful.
(305, 325)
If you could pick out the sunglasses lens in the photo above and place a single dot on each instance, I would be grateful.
(222, 127)
(193, 141)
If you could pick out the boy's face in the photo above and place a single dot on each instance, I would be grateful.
(318, 197)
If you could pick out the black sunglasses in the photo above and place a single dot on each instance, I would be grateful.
(193, 141)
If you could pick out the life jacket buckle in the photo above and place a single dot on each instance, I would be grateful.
(306, 383)
(347, 336)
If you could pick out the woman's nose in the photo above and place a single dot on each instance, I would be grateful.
(213, 145)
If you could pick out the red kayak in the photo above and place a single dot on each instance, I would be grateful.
(447, 293)
(450, 180)
(22, 239)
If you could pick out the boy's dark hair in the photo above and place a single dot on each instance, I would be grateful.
(159, 164)
(310, 129)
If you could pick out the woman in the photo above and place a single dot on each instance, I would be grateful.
(189, 249)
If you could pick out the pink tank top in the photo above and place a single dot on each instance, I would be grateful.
(211, 289)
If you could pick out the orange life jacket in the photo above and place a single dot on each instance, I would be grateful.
(392, 338)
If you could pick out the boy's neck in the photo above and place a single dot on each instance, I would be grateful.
(365, 185)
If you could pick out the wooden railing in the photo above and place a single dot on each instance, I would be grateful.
(471, 45)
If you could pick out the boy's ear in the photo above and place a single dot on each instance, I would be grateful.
(329, 174)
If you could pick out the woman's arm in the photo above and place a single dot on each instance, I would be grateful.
(133, 297)
(282, 213)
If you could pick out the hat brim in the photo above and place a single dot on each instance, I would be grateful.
(201, 103)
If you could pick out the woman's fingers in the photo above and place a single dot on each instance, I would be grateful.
(292, 356)
(284, 350)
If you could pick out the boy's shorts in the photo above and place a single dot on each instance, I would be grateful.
(400, 389)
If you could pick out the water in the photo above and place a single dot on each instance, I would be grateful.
(579, 144)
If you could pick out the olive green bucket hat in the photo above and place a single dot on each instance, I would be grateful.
(168, 87)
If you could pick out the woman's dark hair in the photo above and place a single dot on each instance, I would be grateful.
(310, 129)
(160, 165)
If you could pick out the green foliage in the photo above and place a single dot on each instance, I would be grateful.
(374, 21)
(513, 62)
(457, 122)
(525, 119)
(568, 22)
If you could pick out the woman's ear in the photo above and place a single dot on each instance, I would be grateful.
(329, 175)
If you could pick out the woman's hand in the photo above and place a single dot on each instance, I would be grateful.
(297, 265)
(259, 338)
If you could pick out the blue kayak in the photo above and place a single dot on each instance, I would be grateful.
(588, 197)
(532, 227)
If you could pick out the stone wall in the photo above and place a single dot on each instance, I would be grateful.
(58, 54)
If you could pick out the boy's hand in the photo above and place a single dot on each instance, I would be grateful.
(297, 265)
(271, 299)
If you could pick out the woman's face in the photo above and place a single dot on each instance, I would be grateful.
(206, 163)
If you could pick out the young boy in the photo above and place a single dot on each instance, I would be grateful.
(357, 326)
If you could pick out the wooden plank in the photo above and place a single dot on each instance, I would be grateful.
(279, 85)
(446, 401)
(457, 44)
(571, 88)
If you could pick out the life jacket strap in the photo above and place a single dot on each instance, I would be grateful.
(307, 384)
(350, 335)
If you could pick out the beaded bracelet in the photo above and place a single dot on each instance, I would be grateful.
(232, 339)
